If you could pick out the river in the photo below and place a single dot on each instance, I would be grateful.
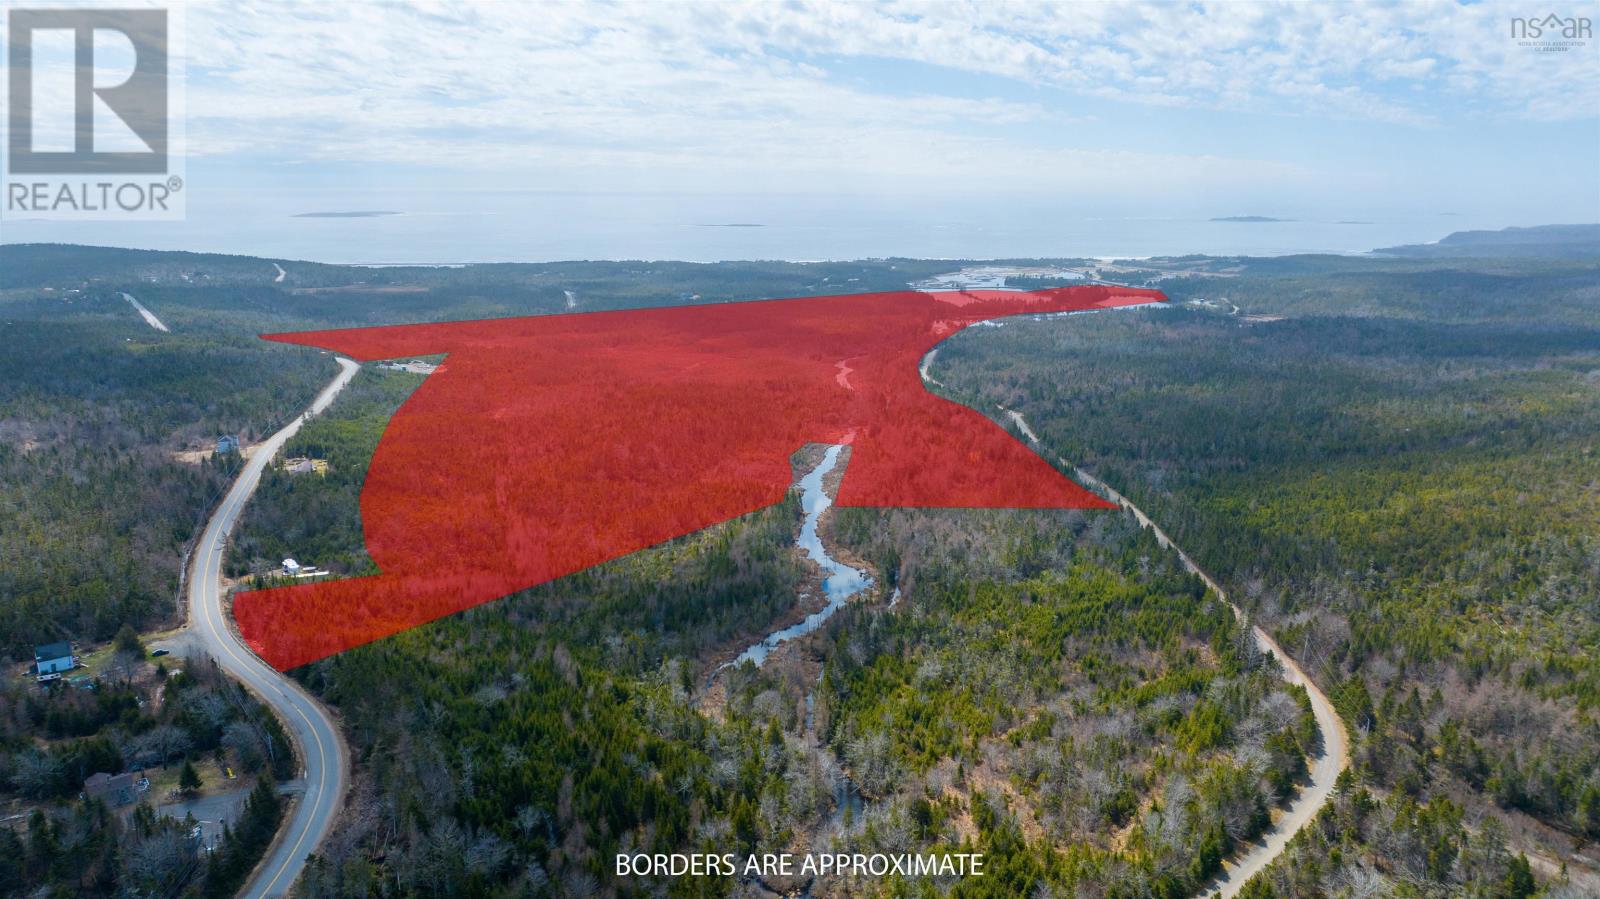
(840, 582)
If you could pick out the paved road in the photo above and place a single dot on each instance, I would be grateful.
(1335, 741)
(325, 763)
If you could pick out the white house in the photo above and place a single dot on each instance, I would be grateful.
(291, 567)
(52, 659)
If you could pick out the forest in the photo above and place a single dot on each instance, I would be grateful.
(936, 723)
(1394, 468)
(95, 516)
(1057, 674)
(1388, 462)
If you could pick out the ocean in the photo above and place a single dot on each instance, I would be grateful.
(440, 227)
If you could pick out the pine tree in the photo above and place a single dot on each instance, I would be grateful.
(128, 641)
(188, 778)
(1519, 882)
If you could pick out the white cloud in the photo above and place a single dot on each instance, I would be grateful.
(727, 93)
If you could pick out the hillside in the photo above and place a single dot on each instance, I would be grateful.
(1542, 241)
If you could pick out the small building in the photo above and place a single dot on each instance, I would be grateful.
(112, 789)
(294, 569)
(228, 443)
(51, 660)
(414, 366)
(305, 465)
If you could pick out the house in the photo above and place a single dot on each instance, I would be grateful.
(51, 659)
(294, 569)
(113, 789)
(228, 443)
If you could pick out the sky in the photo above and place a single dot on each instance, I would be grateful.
(1280, 109)
(1292, 103)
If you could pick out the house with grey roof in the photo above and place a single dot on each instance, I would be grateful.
(51, 660)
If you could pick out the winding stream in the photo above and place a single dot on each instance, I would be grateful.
(839, 582)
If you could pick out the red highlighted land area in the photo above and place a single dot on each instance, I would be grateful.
(546, 445)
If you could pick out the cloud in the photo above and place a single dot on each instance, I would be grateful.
(744, 92)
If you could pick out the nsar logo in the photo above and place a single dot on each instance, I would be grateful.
(1552, 33)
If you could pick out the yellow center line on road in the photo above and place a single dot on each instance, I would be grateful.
(206, 610)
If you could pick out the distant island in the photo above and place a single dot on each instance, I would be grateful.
(731, 225)
(1351, 222)
(359, 214)
(1249, 218)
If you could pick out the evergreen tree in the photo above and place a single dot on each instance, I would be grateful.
(188, 778)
